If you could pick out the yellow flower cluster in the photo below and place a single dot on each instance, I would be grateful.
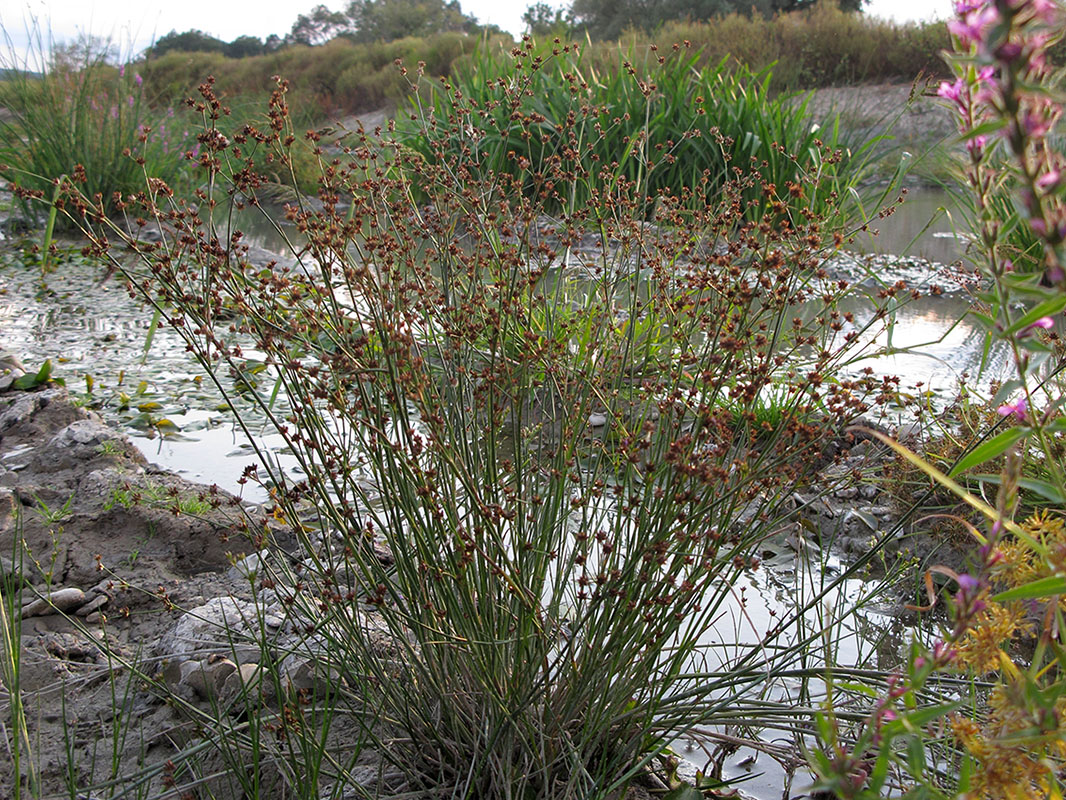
(980, 648)
(1004, 771)
(1019, 748)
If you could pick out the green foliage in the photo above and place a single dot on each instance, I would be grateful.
(87, 121)
(338, 75)
(678, 130)
(609, 19)
(190, 41)
(821, 46)
(388, 20)
(42, 377)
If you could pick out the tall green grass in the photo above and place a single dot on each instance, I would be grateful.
(85, 119)
(678, 133)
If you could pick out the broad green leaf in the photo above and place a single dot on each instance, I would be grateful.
(1046, 309)
(1034, 590)
(988, 450)
(1045, 489)
(685, 792)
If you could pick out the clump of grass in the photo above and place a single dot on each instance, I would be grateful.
(542, 624)
(586, 132)
(72, 114)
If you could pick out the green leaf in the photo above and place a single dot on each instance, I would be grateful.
(1046, 309)
(915, 756)
(986, 451)
(1045, 489)
(1034, 590)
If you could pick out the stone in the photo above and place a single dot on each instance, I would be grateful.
(95, 604)
(247, 680)
(61, 601)
(248, 567)
(221, 626)
(206, 677)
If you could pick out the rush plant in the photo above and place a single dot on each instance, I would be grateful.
(532, 459)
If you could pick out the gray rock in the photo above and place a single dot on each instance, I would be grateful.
(206, 677)
(95, 604)
(60, 601)
(248, 567)
(248, 680)
(79, 443)
(221, 626)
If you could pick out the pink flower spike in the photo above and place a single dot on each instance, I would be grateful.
(1047, 323)
(1049, 179)
(122, 71)
(1017, 409)
(137, 79)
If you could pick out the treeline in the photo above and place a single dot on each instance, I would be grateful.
(818, 46)
(376, 21)
(361, 22)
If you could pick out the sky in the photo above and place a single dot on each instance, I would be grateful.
(133, 26)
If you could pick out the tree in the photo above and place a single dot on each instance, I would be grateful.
(319, 26)
(245, 46)
(386, 20)
(542, 19)
(191, 41)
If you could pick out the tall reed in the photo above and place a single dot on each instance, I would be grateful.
(72, 113)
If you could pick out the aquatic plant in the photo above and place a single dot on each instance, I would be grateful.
(532, 451)
(678, 125)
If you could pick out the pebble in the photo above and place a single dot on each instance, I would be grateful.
(207, 677)
(95, 604)
(60, 601)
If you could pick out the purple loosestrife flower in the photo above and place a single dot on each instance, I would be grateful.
(1047, 323)
(1049, 180)
(973, 23)
(137, 79)
(1017, 409)
(955, 92)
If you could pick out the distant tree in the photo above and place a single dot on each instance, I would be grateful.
(386, 20)
(319, 26)
(273, 42)
(244, 46)
(191, 41)
(542, 19)
(607, 19)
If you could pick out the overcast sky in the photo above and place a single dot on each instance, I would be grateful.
(134, 25)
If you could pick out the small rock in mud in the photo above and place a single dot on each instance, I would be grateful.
(61, 601)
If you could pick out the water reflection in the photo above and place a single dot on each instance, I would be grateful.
(928, 224)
